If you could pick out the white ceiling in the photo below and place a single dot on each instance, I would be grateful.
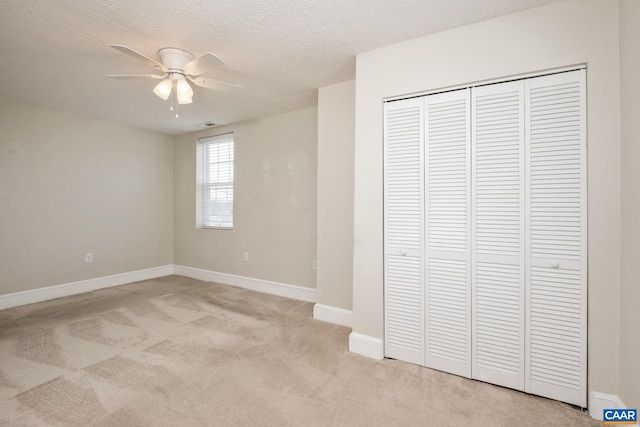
(56, 52)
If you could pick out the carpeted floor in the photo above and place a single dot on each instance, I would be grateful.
(181, 352)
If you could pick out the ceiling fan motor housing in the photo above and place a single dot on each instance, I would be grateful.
(174, 58)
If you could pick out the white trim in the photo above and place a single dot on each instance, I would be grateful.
(331, 314)
(57, 291)
(600, 401)
(365, 345)
(487, 82)
(266, 286)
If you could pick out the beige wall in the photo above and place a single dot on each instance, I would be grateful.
(274, 206)
(71, 184)
(557, 35)
(630, 271)
(336, 138)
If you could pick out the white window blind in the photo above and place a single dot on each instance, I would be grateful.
(216, 181)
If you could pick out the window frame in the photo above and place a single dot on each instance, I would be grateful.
(205, 184)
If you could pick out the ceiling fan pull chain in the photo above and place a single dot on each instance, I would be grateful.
(174, 94)
(171, 107)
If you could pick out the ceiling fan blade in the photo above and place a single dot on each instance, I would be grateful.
(202, 64)
(136, 76)
(214, 84)
(139, 56)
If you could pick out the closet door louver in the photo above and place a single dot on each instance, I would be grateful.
(403, 213)
(557, 237)
(447, 243)
(498, 240)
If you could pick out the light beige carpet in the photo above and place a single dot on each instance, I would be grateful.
(181, 352)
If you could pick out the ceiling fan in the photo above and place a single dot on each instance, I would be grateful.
(178, 67)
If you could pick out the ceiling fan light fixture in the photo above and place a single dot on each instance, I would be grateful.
(184, 92)
(163, 89)
(184, 100)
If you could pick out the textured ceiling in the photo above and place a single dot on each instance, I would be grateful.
(56, 52)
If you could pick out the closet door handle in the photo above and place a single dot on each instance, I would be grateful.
(403, 253)
(555, 264)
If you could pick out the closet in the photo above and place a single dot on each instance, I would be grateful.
(485, 233)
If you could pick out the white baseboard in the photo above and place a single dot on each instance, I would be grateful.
(330, 314)
(266, 286)
(66, 289)
(365, 345)
(600, 401)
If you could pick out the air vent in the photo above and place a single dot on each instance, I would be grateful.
(208, 124)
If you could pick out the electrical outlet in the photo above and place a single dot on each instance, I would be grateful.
(88, 257)
(315, 264)
(245, 256)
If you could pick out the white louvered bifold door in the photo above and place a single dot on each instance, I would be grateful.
(403, 230)
(447, 232)
(498, 240)
(556, 324)
(486, 233)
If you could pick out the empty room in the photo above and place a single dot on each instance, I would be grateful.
(350, 213)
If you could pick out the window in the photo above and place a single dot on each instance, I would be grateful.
(215, 192)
